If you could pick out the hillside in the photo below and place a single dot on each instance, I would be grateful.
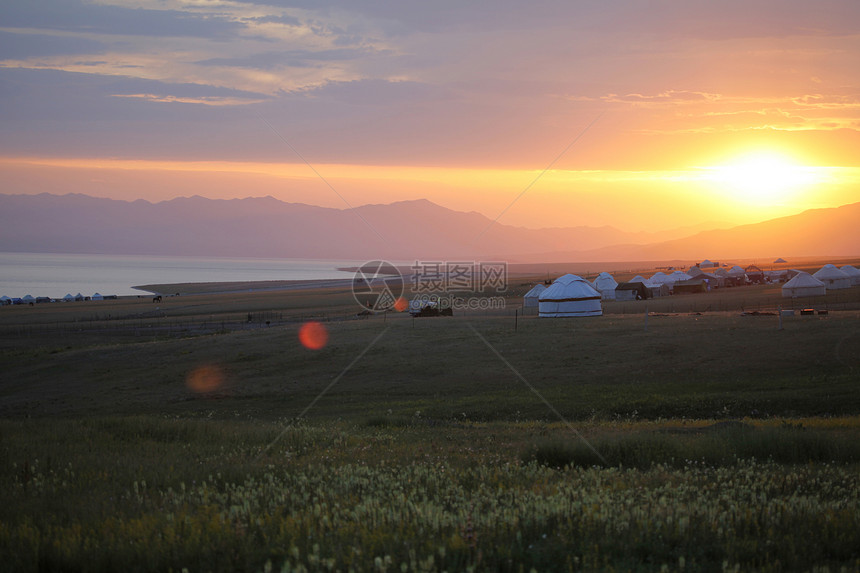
(267, 227)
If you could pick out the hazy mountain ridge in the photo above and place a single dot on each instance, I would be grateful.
(267, 227)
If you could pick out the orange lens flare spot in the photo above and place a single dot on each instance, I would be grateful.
(205, 379)
(401, 304)
(313, 335)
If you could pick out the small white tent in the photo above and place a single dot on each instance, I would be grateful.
(530, 299)
(832, 277)
(679, 276)
(569, 296)
(852, 272)
(659, 277)
(605, 285)
(737, 271)
(68, 298)
(97, 296)
(803, 284)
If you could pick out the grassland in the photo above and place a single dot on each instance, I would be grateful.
(198, 433)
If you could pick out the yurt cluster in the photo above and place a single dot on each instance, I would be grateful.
(31, 300)
(573, 296)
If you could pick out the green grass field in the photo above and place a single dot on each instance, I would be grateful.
(193, 435)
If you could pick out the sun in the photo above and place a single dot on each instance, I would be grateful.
(762, 178)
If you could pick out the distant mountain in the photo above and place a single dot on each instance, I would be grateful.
(406, 230)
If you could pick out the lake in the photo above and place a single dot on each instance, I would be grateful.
(55, 275)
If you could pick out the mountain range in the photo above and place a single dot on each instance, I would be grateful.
(406, 230)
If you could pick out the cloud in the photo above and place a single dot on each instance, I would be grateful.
(669, 97)
(211, 100)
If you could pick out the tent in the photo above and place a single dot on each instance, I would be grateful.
(530, 299)
(706, 264)
(97, 296)
(852, 272)
(695, 272)
(803, 284)
(754, 274)
(679, 276)
(635, 290)
(568, 296)
(5, 300)
(68, 298)
(736, 276)
(779, 261)
(832, 277)
(605, 285)
(654, 289)
(28, 298)
(659, 277)
(696, 285)
(79, 297)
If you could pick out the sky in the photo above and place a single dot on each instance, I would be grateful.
(641, 114)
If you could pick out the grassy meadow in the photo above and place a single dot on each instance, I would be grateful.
(198, 433)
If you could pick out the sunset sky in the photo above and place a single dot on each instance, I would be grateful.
(644, 115)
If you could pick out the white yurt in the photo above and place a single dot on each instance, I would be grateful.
(679, 276)
(570, 296)
(97, 296)
(832, 277)
(737, 271)
(68, 298)
(803, 284)
(5, 300)
(605, 285)
(28, 298)
(852, 272)
(530, 299)
(659, 277)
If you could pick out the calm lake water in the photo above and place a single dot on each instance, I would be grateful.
(55, 275)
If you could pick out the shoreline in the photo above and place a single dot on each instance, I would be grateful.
(187, 289)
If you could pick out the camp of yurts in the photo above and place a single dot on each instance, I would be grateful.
(530, 299)
(569, 296)
(803, 284)
(852, 272)
(832, 277)
(605, 284)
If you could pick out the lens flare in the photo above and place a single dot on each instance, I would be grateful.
(205, 379)
(313, 335)
(401, 304)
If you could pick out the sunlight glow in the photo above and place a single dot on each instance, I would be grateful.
(205, 379)
(313, 335)
(764, 178)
